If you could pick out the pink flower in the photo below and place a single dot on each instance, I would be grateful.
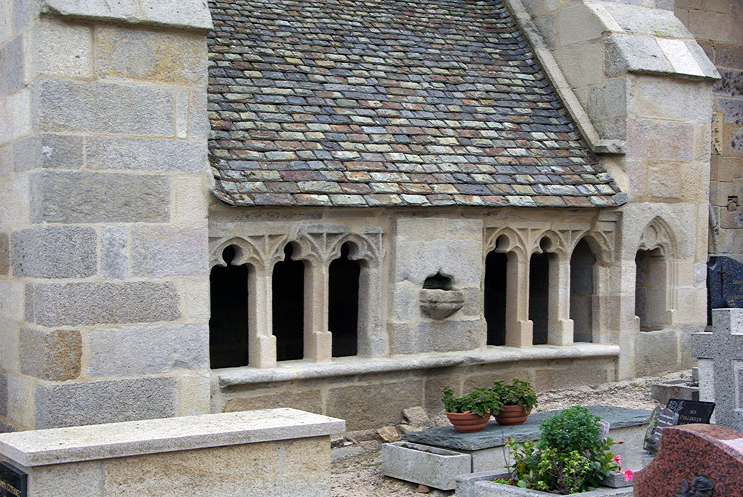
(618, 459)
(628, 475)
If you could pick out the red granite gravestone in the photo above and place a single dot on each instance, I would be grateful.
(694, 460)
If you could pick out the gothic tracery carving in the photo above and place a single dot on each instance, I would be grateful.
(657, 235)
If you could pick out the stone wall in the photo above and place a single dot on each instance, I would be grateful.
(718, 26)
(103, 236)
(370, 393)
(639, 82)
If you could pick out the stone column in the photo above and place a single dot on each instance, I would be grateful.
(372, 339)
(261, 341)
(104, 300)
(318, 341)
(519, 328)
(560, 325)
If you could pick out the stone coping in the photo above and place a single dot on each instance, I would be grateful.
(495, 435)
(135, 438)
(350, 366)
(187, 14)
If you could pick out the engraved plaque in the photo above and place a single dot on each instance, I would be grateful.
(13, 481)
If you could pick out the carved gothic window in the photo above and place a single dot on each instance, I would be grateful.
(228, 325)
(288, 306)
(539, 289)
(343, 303)
(582, 264)
(650, 289)
(496, 268)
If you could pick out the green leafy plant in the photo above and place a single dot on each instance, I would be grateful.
(571, 429)
(519, 392)
(569, 458)
(479, 401)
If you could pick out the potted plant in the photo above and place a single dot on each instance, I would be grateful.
(570, 457)
(517, 399)
(470, 412)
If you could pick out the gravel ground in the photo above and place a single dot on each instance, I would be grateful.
(355, 468)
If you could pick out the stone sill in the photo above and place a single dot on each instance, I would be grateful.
(135, 438)
(351, 366)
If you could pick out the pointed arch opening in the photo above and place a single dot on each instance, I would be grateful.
(288, 306)
(582, 289)
(539, 296)
(496, 274)
(650, 289)
(343, 303)
(228, 324)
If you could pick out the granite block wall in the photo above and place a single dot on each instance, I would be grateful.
(103, 231)
(718, 26)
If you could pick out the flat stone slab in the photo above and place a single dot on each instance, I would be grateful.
(133, 438)
(495, 435)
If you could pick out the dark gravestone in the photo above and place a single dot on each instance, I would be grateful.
(724, 284)
(691, 411)
(694, 460)
(662, 417)
(13, 481)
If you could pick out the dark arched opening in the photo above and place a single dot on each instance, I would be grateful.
(343, 306)
(650, 289)
(539, 282)
(581, 291)
(288, 307)
(495, 297)
(228, 325)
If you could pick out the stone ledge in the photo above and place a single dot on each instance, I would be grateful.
(134, 438)
(349, 366)
(189, 14)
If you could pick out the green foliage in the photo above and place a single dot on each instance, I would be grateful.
(571, 429)
(569, 458)
(519, 392)
(479, 401)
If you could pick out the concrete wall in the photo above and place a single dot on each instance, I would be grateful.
(718, 27)
(103, 238)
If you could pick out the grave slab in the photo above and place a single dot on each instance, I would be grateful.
(487, 447)
(276, 452)
(495, 435)
(692, 458)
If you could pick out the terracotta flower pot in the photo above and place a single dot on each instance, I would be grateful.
(512, 415)
(466, 422)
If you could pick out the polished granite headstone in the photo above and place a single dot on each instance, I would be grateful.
(724, 284)
(695, 460)
(691, 411)
(13, 481)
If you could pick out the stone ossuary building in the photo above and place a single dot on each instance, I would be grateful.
(343, 206)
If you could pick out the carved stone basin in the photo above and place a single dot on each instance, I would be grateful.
(440, 304)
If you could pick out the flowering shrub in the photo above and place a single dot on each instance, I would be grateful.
(569, 458)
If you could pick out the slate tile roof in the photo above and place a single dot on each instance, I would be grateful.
(388, 103)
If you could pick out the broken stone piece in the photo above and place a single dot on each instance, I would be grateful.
(389, 434)
(417, 418)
